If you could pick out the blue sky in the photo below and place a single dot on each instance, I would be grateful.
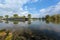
(37, 8)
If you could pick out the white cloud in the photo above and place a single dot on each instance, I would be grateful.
(13, 3)
(12, 6)
(15, 7)
(35, 15)
(50, 10)
(34, 0)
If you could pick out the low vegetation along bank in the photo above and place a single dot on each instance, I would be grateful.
(16, 17)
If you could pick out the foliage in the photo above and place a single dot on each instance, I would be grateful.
(1, 16)
(15, 15)
(54, 18)
(6, 16)
(9, 37)
(29, 15)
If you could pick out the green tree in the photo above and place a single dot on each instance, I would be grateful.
(52, 18)
(29, 16)
(6, 16)
(15, 15)
(23, 16)
(47, 16)
(1, 17)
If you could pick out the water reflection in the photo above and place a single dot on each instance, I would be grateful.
(29, 34)
(6, 21)
(35, 30)
(1, 21)
(29, 21)
(53, 21)
(15, 22)
(47, 21)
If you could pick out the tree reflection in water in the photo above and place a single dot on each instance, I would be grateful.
(29, 21)
(35, 35)
(15, 22)
(6, 21)
(53, 21)
(28, 34)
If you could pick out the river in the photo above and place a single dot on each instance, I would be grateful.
(32, 30)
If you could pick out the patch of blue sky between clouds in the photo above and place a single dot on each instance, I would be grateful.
(37, 8)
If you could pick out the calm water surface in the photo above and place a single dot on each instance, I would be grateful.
(31, 30)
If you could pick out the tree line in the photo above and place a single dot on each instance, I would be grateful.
(15, 16)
